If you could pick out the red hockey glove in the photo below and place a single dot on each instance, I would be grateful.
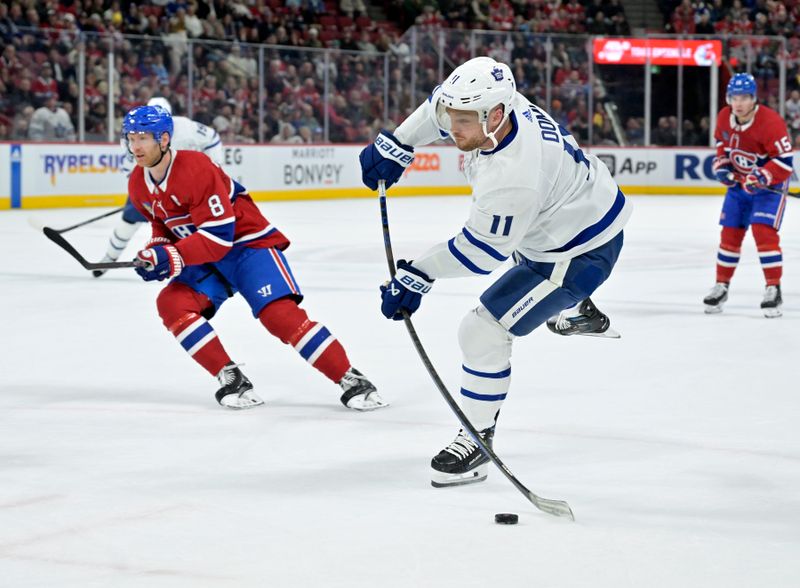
(756, 180)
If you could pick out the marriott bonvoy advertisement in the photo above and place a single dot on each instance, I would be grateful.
(61, 175)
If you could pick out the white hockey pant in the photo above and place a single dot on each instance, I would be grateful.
(486, 368)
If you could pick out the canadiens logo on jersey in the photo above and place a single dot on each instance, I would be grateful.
(743, 161)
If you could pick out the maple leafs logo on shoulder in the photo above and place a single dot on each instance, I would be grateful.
(497, 73)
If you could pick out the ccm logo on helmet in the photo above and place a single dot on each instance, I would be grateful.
(393, 151)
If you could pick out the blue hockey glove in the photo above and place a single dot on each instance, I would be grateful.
(158, 263)
(385, 159)
(756, 180)
(404, 291)
(723, 169)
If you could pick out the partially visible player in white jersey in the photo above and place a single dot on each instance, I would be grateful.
(538, 199)
(189, 135)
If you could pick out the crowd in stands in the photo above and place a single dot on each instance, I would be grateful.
(596, 17)
(41, 42)
(736, 17)
(753, 19)
(205, 57)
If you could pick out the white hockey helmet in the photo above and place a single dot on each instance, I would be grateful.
(160, 101)
(479, 85)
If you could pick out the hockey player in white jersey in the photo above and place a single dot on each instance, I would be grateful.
(188, 134)
(537, 199)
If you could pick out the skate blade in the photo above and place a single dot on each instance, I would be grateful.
(772, 312)
(609, 333)
(366, 403)
(444, 480)
(713, 309)
(243, 402)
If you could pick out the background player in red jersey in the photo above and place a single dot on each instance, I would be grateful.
(754, 160)
(211, 240)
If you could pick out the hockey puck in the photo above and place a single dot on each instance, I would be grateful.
(506, 518)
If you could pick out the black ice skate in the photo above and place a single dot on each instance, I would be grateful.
(100, 272)
(359, 393)
(772, 302)
(586, 320)
(237, 391)
(461, 462)
(716, 298)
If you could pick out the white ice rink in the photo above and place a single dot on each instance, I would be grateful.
(678, 446)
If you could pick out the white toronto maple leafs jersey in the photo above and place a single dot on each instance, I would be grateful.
(536, 194)
(189, 135)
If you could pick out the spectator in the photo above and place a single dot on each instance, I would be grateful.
(690, 136)
(305, 135)
(793, 110)
(235, 64)
(365, 43)
(8, 29)
(704, 131)
(10, 65)
(353, 8)
(347, 42)
(21, 124)
(663, 134)
(5, 128)
(313, 38)
(634, 132)
(222, 122)
(703, 25)
(193, 24)
(287, 135)
(22, 95)
(51, 123)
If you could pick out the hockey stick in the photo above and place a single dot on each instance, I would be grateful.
(91, 220)
(557, 508)
(55, 237)
(780, 193)
(737, 177)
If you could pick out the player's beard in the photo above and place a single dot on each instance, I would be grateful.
(471, 144)
(156, 159)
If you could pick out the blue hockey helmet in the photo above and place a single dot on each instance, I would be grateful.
(148, 119)
(742, 84)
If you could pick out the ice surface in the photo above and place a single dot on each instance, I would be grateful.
(678, 446)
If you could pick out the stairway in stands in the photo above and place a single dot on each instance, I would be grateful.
(643, 16)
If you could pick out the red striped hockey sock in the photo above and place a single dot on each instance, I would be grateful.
(198, 338)
(730, 249)
(768, 243)
(290, 323)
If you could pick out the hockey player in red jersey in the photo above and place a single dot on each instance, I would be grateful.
(754, 160)
(211, 241)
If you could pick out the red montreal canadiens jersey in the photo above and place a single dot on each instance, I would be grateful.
(763, 142)
(200, 209)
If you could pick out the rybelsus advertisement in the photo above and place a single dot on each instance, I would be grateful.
(62, 175)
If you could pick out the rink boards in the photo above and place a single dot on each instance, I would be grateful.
(53, 175)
